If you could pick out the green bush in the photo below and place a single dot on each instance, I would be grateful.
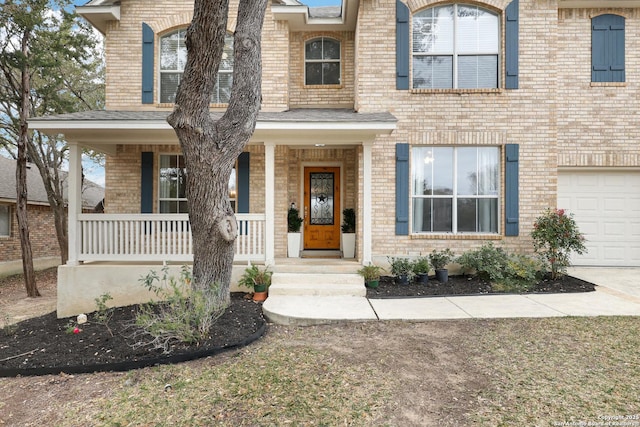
(555, 236)
(178, 316)
(507, 272)
(421, 266)
(401, 267)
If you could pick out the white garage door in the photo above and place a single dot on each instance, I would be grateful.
(606, 207)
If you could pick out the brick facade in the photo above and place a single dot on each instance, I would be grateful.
(557, 116)
(41, 233)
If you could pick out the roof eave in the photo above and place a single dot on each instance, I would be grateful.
(99, 16)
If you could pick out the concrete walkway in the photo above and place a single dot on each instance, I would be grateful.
(617, 294)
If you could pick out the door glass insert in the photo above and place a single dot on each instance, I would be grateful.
(321, 194)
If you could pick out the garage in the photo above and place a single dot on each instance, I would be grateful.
(606, 206)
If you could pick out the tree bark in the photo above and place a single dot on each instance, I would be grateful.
(211, 147)
(21, 177)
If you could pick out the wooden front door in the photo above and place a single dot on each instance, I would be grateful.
(322, 208)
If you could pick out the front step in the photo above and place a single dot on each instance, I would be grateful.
(317, 284)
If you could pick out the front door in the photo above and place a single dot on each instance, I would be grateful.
(322, 208)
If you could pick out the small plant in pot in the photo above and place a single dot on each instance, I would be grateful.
(421, 267)
(371, 275)
(401, 269)
(439, 259)
(294, 222)
(348, 233)
(257, 279)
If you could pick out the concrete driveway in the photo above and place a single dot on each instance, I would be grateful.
(616, 280)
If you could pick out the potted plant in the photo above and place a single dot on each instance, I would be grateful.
(371, 275)
(439, 259)
(421, 267)
(258, 280)
(294, 222)
(349, 233)
(401, 270)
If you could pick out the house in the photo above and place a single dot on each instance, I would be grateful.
(44, 243)
(443, 124)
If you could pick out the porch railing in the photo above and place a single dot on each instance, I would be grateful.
(157, 237)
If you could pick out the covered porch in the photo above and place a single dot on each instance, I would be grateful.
(123, 245)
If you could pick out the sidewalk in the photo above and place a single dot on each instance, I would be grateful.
(617, 294)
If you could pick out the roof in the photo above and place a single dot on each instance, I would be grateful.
(104, 130)
(92, 193)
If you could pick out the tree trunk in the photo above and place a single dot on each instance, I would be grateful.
(211, 147)
(21, 178)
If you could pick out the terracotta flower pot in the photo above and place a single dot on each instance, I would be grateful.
(260, 296)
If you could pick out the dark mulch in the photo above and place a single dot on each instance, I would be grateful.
(43, 343)
(469, 285)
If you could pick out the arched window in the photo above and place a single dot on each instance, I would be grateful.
(173, 58)
(455, 46)
(322, 62)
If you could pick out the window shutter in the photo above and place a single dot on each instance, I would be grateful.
(146, 183)
(402, 189)
(511, 199)
(147, 64)
(607, 48)
(243, 183)
(402, 46)
(512, 34)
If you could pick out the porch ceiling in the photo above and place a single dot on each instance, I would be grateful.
(104, 130)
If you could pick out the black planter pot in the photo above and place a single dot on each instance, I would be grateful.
(422, 278)
(402, 280)
(442, 275)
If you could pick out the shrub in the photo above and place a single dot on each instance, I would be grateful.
(349, 221)
(488, 262)
(370, 272)
(521, 274)
(401, 267)
(421, 266)
(439, 259)
(294, 222)
(555, 236)
(255, 277)
(103, 313)
(180, 317)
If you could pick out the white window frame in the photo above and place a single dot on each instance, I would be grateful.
(8, 218)
(323, 61)
(233, 191)
(455, 196)
(456, 53)
(215, 97)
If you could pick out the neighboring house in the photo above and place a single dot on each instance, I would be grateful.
(42, 232)
(443, 124)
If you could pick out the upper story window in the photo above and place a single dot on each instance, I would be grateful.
(5, 220)
(607, 48)
(455, 46)
(173, 58)
(322, 62)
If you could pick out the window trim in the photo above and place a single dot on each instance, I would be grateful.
(322, 61)
(454, 196)
(9, 221)
(500, 54)
(160, 71)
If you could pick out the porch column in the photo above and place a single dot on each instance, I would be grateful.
(269, 202)
(366, 211)
(75, 201)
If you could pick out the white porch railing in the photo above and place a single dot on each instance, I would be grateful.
(157, 237)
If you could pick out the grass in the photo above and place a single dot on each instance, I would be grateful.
(560, 370)
(502, 372)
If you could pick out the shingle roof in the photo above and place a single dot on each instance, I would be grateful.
(296, 115)
(92, 193)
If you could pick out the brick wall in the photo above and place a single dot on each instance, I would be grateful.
(41, 233)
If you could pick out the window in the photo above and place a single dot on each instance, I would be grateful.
(455, 189)
(172, 183)
(322, 62)
(455, 46)
(5, 220)
(173, 58)
(607, 48)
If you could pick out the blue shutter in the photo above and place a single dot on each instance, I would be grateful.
(147, 64)
(243, 183)
(402, 189)
(607, 48)
(146, 183)
(402, 46)
(512, 34)
(511, 198)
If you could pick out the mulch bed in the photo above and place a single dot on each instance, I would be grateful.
(43, 345)
(469, 285)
